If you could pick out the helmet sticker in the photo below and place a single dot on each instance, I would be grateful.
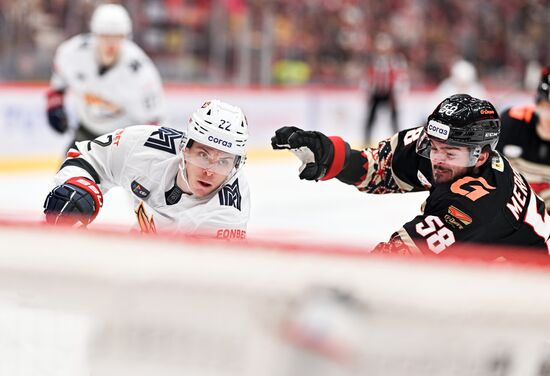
(439, 130)
(448, 109)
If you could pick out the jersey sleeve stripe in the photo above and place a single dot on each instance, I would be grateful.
(83, 164)
(340, 153)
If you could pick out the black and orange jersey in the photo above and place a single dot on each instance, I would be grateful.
(493, 206)
(526, 151)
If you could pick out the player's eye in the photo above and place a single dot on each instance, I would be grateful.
(203, 155)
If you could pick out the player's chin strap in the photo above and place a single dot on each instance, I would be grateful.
(183, 172)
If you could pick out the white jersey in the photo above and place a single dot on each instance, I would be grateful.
(144, 161)
(129, 92)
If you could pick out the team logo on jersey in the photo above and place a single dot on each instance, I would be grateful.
(139, 190)
(164, 139)
(230, 195)
(460, 215)
(101, 108)
(472, 188)
(146, 223)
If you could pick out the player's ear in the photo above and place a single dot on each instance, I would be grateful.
(483, 157)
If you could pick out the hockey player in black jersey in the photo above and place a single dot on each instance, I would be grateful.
(525, 138)
(475, 195)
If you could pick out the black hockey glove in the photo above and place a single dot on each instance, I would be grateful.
(76, 200)
(56, 114)
(322, 157)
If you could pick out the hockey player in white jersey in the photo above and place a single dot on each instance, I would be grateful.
(188, 182)
(113, 82)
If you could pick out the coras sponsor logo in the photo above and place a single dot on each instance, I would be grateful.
(219, 141)
(438, 130)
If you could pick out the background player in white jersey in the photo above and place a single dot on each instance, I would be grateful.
(181, 182)
(114, 83)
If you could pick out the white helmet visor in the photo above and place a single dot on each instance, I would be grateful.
(208, 158)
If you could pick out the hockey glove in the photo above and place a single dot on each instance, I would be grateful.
(76, 200)
(322, 157)
(56, 114)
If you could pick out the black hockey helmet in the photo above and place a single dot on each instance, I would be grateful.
(543, 90)
(462, 120)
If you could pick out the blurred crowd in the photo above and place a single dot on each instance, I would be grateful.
(293, 42)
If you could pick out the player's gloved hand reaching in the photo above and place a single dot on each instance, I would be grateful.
(77, 200)
(57, 118)
(322, 157)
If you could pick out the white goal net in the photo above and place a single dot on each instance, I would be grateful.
(89, 303)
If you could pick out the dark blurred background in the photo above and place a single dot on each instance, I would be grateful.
(265, 42)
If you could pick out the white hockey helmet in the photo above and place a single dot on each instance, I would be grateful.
(219, 125)
(111, 19)
(463, 71)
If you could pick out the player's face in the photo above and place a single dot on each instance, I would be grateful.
(109, 48)
(543, 111)
(448, 162)
(207, 168)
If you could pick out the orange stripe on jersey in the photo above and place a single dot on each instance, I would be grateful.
(522, 113)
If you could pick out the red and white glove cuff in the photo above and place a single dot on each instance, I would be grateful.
(90, 187)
